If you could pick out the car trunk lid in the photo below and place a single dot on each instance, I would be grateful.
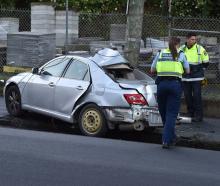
(148, 90)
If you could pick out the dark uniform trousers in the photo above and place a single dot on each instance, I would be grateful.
(169, 99)
(193, 98)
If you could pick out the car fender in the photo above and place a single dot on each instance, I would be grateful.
(19, 80)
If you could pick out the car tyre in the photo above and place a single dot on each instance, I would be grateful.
(13, 101)
(92, 121)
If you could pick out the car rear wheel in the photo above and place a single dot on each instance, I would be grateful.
(92, 121)
(13, 101)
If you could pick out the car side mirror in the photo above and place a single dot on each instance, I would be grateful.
(35, 70)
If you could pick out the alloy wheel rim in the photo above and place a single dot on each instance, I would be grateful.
(91, 121)
(14, 102)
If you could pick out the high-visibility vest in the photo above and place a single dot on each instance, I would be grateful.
(166, 66)
(196, 55)
(193, 54)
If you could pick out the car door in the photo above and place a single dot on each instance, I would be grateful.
(39, 90)
(71, 86)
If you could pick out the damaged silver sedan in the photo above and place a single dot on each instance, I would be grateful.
(96, 93)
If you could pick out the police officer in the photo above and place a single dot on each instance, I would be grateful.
(169, 64)
(198, 60)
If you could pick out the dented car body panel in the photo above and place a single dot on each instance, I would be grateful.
(64, 85)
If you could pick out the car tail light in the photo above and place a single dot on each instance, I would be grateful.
(136, 99)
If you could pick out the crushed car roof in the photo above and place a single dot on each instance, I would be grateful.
(107, 56)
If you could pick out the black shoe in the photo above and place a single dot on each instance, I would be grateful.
(165, 146)
(197, 119)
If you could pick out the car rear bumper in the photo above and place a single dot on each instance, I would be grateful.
(145, 115)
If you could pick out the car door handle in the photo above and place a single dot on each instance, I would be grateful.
(79, 87)
(51, 84)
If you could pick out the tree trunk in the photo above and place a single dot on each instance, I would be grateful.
(134, 30)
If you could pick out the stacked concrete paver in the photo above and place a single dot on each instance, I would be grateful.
(30, 49)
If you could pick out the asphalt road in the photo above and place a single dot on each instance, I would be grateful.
(41, 158)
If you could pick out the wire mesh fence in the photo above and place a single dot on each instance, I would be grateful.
(12, 21)
(22, 16)
(95, 31)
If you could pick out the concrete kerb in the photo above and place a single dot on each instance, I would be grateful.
(206, 133)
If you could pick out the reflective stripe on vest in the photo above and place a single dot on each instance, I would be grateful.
(199, 53)
(166, 66)
(193, 79)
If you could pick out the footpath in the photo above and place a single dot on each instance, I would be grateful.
(203, 134)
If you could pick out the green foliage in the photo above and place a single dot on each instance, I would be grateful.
(7, 4)
(213, 8)
(179, 7)
(187, 8)
(95, 6)
(207, 8)
(203, 8)
(89, 6)
(152, 6)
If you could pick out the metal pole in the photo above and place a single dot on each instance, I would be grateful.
(127, 8)
(169, 16)
(66, 41)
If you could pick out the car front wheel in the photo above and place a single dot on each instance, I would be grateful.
(92, 121)
(13, 101)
